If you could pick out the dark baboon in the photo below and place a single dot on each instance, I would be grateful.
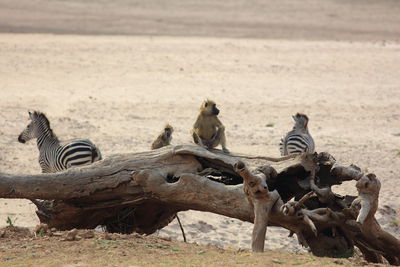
(164, 139)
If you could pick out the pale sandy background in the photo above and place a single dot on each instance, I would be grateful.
(117, 71)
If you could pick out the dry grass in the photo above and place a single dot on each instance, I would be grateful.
(20, 248)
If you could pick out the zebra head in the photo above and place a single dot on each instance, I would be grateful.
(301, 121)
(38, 125)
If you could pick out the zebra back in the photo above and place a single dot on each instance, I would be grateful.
(299, 139)
(295, 142)
(77, 152)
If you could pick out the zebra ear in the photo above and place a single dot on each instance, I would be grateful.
(30, 115)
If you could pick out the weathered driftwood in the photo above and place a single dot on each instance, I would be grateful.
(142, 192)
(261, 199)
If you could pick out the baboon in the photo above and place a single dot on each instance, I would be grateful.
(164, 139)
(208, 131)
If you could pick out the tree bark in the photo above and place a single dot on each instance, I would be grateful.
(142, 192)
(260, 198)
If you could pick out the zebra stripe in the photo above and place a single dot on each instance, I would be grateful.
(296, 143)
(299, 139)
(53, 155)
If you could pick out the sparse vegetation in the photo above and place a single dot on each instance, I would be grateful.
(396, 151)
(298, 263)
(40, 233)
(270, 124)
(19, 248)
(10, 222)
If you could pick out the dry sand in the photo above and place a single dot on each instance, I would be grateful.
(119, 91)
(356, 20)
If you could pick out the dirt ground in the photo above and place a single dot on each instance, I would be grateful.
(366, 20)
(21, 248)
(120, 71)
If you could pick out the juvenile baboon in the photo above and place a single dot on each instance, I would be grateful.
(164, 139)
(208, 131)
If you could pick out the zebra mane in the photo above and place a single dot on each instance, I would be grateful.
(302, 115)
(41, 116)
(304, 118)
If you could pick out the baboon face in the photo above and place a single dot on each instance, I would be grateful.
(168, 130)
(209, 108)
(301, 119)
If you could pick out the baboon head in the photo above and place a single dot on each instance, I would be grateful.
(168, 129)
(209, 108)
(301, 120)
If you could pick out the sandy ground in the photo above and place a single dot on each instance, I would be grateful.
(356, 20)
(339, 66)
(119, 92)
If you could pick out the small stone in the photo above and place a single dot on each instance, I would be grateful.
(136, 235)
(339, 262)
(124, 236)
(87, 234)
(108, 236)
(42, 229)
(72, 235)
(55, 233)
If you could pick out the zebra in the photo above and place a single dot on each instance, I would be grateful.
(54, 155)
(299, 139)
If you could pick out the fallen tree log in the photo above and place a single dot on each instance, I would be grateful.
(142, 192)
